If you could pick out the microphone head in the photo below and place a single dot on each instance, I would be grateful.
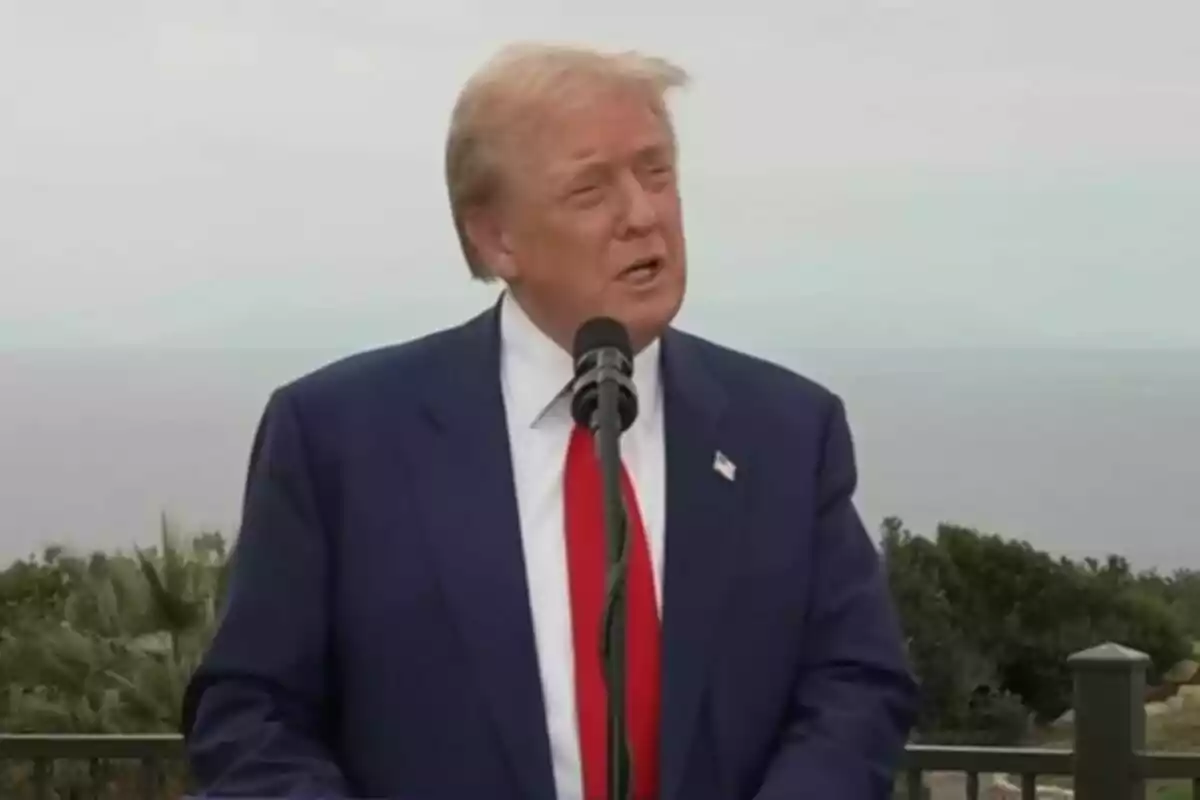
(602, 332)
(603, 354)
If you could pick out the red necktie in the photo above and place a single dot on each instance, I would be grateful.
(587, 563)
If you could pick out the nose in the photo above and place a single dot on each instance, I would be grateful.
(639, 214)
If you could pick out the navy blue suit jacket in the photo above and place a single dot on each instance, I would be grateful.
(377, 638)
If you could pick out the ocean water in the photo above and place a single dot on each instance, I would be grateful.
(1082, 452)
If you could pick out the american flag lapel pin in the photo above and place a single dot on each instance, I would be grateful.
(724, 467)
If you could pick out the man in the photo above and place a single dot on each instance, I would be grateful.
(414, 603)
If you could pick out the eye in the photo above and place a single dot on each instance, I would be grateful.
(658, 174)
(585, 195)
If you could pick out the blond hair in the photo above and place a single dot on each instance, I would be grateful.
(509, 90)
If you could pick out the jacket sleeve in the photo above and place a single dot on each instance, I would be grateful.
(256, 714)
(854, 700)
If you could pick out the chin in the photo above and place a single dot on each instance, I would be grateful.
(649, 317)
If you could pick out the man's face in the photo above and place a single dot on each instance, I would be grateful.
(590, 221)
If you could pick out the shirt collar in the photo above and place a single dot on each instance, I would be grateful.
(538, 373)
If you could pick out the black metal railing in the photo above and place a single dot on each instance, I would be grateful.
(1108, 759)
(96, 767)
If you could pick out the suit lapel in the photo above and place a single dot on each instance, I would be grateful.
(702, 515)
(465, 487)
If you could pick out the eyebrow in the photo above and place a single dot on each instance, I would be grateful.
(654, 151)
(587, 165)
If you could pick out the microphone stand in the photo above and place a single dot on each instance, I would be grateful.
(607, 429)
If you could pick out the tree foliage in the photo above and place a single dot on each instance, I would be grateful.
(104, 643)
(990, 623)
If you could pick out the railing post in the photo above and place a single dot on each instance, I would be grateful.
(1110, 721)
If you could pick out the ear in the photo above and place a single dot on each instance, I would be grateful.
(485, 229)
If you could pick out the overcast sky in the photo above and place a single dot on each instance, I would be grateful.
(856, 172)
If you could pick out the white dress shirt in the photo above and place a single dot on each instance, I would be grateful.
(534, 374)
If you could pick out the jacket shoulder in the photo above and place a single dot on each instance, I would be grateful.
(749, 377)
(387, 373)
(784, 413)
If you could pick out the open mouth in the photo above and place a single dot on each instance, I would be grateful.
(643, 269)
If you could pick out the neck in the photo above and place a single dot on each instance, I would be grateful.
(546, 323)
(563, 333)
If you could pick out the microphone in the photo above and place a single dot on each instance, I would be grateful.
(603, 364)
(604, 400)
